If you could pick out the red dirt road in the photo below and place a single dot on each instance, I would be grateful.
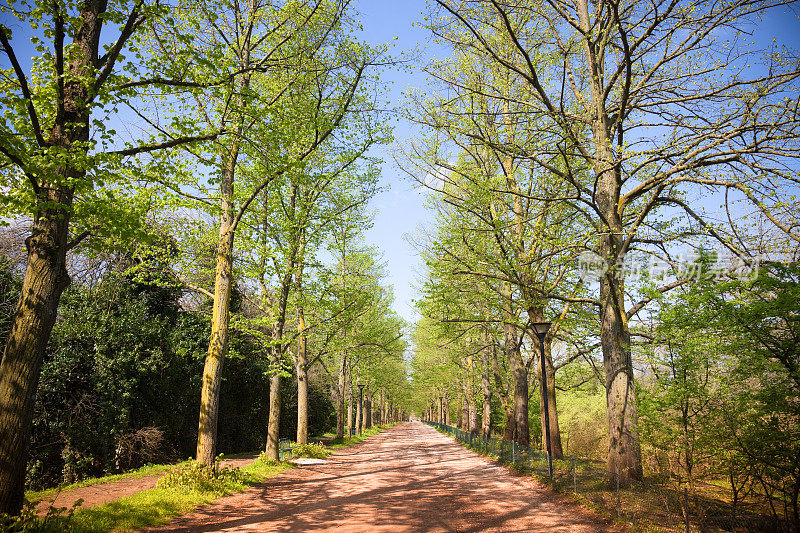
(407, 478)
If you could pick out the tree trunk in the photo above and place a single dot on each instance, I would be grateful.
(555, 433)
(223, 281)
(340, 399)
(302, 361)
(302, 389)
(368, 412)
(349, 386)
(486, 389)
(218, 344)
(45, 280)
(359, 412)
(274, 424)
(473, 414)
(624, 455)
(519, 372)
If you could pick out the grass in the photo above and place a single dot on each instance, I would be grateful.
(157, 506)
(652, 505)
(355, 439)
(147, 470)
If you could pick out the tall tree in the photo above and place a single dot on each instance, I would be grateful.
(66, 178)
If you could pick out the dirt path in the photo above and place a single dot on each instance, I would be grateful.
(407, 478)
(114, 490)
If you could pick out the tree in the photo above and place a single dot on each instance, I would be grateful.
(283, 51)
(68, 180)
(615, 71)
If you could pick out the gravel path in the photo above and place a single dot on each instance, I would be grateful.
(407, 478)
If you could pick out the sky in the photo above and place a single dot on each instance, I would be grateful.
(399, 211)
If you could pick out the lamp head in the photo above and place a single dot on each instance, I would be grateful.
(541, 329)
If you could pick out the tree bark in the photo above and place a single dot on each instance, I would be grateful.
(45, 280)
(368, 412)
(340, 399)
(624, 455)
(302, 364)
(555, 432)
(486, 389)
(218, 344)
(46, 275)
(359, 412)
(349, 385)
(274, 424)
(519, 372)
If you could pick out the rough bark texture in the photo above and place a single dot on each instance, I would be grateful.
(340, 399)
(368, 411)
(519, 372)
(349, 386)
(218, 344)
(624, 456)
(45, 279)
(359, 413)
(45, 276)
(302, 361)
(302, 384)
(274, 424)
(486, 389)
(555, 433)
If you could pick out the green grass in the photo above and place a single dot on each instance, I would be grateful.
(157, 506)
(147, 470)
(355, 439)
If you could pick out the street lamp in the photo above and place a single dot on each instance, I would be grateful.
(360, 407)
(541, 329)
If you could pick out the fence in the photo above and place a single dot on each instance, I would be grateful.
(654, 505)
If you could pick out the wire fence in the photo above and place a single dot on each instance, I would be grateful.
(653, 504)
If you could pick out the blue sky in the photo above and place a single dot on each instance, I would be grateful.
(399, 210)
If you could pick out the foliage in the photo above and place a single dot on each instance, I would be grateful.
(196, 475)
(312, 450)
(55, 520)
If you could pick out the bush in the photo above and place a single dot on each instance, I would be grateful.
(56, 520)
(206, 478)
(315, 451)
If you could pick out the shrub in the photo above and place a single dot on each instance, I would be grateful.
(315, 451)
(206, 478)
(56, 520)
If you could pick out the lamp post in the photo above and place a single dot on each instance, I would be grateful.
(360, 407)
(541, 329)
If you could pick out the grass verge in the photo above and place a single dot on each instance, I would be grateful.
(147, 470)
(355, 439)
(157, 506)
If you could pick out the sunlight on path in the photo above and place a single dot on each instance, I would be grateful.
(407, 478)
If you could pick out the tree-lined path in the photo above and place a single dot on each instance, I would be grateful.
(407, 478)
